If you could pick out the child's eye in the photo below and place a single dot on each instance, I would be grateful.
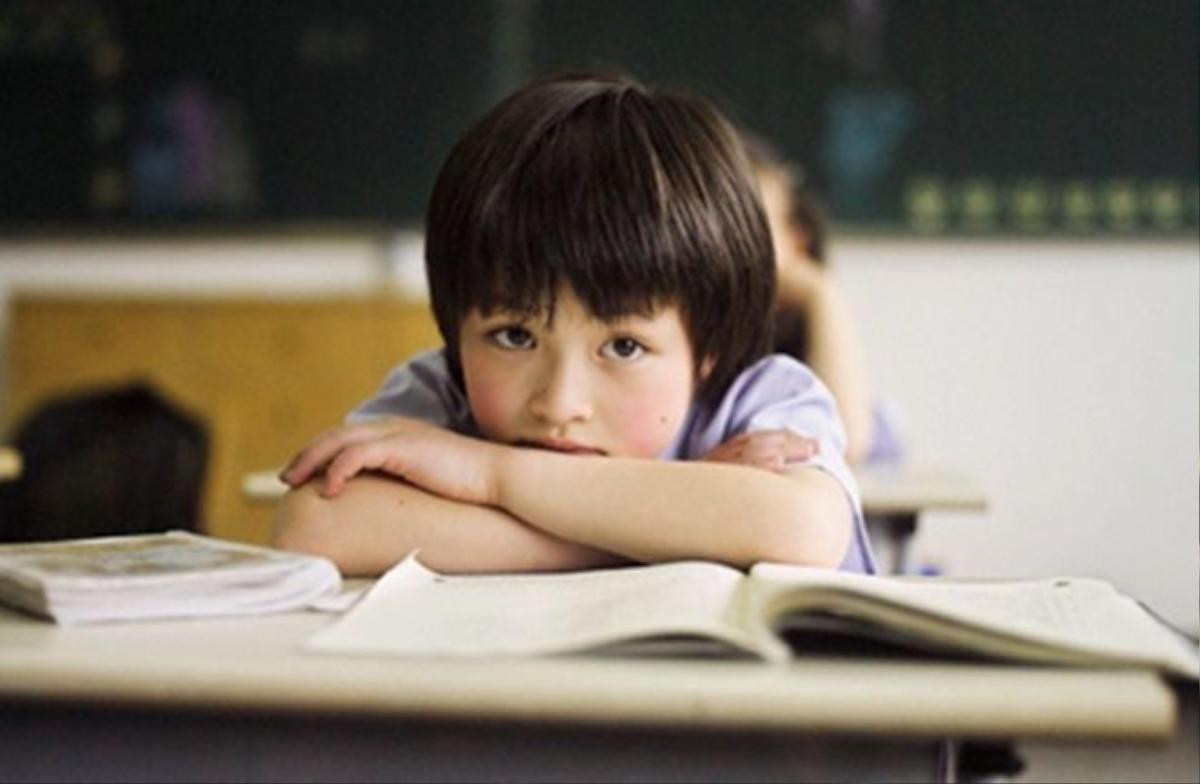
(624, 349)
(512, 337)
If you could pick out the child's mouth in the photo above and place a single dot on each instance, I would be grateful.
(565, 447)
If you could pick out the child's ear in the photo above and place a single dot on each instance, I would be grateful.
(706, 367)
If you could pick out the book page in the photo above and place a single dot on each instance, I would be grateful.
(1085, 616)
(160, 575)
(413, 611)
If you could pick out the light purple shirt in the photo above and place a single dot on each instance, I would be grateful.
(777, 392)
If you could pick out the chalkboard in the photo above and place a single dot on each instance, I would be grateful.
(227, 112)
(1027, 117)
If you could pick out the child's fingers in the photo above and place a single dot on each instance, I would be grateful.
(308, 461)
(783, 440)
(769, 449)
(800, 447)
(774, 449)
(788, 444)
(298, 471)
(771, 461)
(341, 469)
(767, 453)
(356, 458)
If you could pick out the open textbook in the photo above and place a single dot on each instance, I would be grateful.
(773, 612)
(164, 575)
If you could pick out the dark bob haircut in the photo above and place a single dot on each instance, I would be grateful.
(636, 199)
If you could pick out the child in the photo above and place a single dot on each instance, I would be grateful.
(601, 272)
(812, 321)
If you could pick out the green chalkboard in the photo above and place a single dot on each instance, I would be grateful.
(1028, 117)
(226, 112)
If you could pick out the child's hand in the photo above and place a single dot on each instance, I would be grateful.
(769, 449)
(425, 455)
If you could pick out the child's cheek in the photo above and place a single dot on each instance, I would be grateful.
(649, 427)
(492, 406)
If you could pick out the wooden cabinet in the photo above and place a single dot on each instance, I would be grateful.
(264, 375)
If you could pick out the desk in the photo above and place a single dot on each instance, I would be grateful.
(234, 699)
(893, 499)
(10, 464)
(263, 487)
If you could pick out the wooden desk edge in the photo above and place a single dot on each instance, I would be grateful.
(263, 486)
(968, 702)
(910, 490)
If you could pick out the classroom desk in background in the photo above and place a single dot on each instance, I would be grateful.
(10, 464)
(235, 699)
(893, 499)
(263, 486)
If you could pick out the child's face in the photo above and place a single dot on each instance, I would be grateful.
(619, 388)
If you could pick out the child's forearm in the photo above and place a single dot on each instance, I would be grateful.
(377, 521)
(651, 510)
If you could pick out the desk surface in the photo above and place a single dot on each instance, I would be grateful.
(10, 463)
(254, 664)
(263, 486)
(903, 489)
(912, 489)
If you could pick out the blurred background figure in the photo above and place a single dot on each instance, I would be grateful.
(106, 461)
(813, 320)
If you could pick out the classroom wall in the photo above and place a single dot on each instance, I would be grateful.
(1064, 375)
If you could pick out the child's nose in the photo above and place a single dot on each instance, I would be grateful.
(563, 395)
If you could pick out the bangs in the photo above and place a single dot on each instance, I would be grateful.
(633, 200)
(586, 209)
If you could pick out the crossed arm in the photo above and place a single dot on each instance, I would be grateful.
(367, 495)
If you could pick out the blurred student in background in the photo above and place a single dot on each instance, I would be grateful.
(813, 322)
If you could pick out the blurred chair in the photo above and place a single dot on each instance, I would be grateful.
(105, 461)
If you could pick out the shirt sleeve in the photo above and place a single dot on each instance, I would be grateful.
(421, 388)
(887, 442)
(780, 393)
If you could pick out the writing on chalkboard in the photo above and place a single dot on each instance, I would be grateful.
(932, 117)
(190, 151)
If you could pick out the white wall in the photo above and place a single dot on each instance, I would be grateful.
(1064, 376)
(1067, 378)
